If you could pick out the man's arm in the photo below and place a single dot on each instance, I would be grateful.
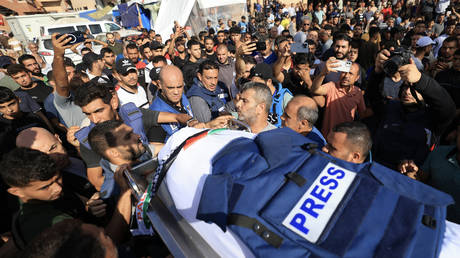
(283, 58)
(118, 226)
(60, 75)
(200, 109)
(104, 44)
(240, 53)
(317, 87)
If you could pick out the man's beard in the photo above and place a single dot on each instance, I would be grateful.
(39, 74)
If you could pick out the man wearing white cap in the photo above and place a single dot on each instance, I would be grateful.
(422, 50)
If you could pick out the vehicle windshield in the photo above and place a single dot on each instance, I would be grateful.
(111, 27)
(61, 30)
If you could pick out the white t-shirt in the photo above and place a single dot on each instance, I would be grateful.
(139, 99)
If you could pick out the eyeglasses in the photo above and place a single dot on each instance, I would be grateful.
(306, 24)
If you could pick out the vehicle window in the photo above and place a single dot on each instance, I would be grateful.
(95, 28)
(48, 44)
(82, 28)
(111, 27)
(61, 30)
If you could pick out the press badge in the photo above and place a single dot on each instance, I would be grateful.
(310, 215)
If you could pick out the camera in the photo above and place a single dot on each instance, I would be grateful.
(76, 37)
(398, 58)
(261, 45)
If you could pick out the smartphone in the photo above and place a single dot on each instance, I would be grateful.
(146, 167)
(76, 37)
(260, 45)
(345, 66)
(299, 47)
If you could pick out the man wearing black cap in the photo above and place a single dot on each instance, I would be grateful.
(281, 96)
(95, 65)
(128, 89)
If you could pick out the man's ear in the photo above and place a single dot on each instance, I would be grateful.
(198, 74)
(16, 191)
(113, 153)
(305, 125)
(357, 157)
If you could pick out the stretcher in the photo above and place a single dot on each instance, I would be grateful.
(183, 240)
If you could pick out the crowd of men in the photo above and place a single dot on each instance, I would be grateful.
(67, 135)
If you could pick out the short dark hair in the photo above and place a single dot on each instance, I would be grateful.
(342, 36)
(22, 166)
(85, 49)
(280, 39)
(101, 137)
(249, 60)
(357, 134)
(355, 44)
(157, 59)
(304, 58)
(24, 57)
(64, 239)
(13, 69)
(192, 42)
(235, 30)
(202, 34)
(50, 75)
(207, 65)
(373, 31)
(6, 95)
(68, 62)
(85, 95)
(450, 39)
(105, 50)
(131, 46)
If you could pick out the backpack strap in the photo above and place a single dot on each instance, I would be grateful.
(82, 135)
(132, 116)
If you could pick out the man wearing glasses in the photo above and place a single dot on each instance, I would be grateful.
(301, 36)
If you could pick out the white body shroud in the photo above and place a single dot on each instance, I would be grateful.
(187, 175)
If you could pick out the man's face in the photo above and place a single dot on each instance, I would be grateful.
(247, 106)
(301, 68)
(110, 38)
(306, 25)
(180, 46)
(338, 146)
(273, 32)
(33, 48)
(172, 87)
(109, 59)
(456, 65)
(23, 79)
(209, 45)
(10, 109)
(353, 54)
(129, 144)
(195, 51)
(158, 38)
(313, 35)
(448, 49)
(420, 28)
(133, 54)
(391, 23)
(247, 70)
(289, 117)
(222, 55)
(98, 112)
(414, 40)
(348, 79)
(32, 66)
(70, 70)
(52, 145)
(357, 31)
(235, 37)
(450, 30)
(129, 78)
(157, 52)
(312, 48)
(209, 78)
(408, 98)
(220, 37)
(341, 48)
(48, 190)
(147, 53)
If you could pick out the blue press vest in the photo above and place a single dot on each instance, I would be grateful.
(129, 113)
(277, 103)
(215, 99)
(306, 203)
(159, 105)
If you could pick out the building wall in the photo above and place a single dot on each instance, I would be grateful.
(82, 5)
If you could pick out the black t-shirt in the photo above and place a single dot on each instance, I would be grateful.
(449, 79)
(39, 92)
(212, 57)
(152, 130)
(295, 85)
(179, 62)
(9, 129)
(189, 71)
